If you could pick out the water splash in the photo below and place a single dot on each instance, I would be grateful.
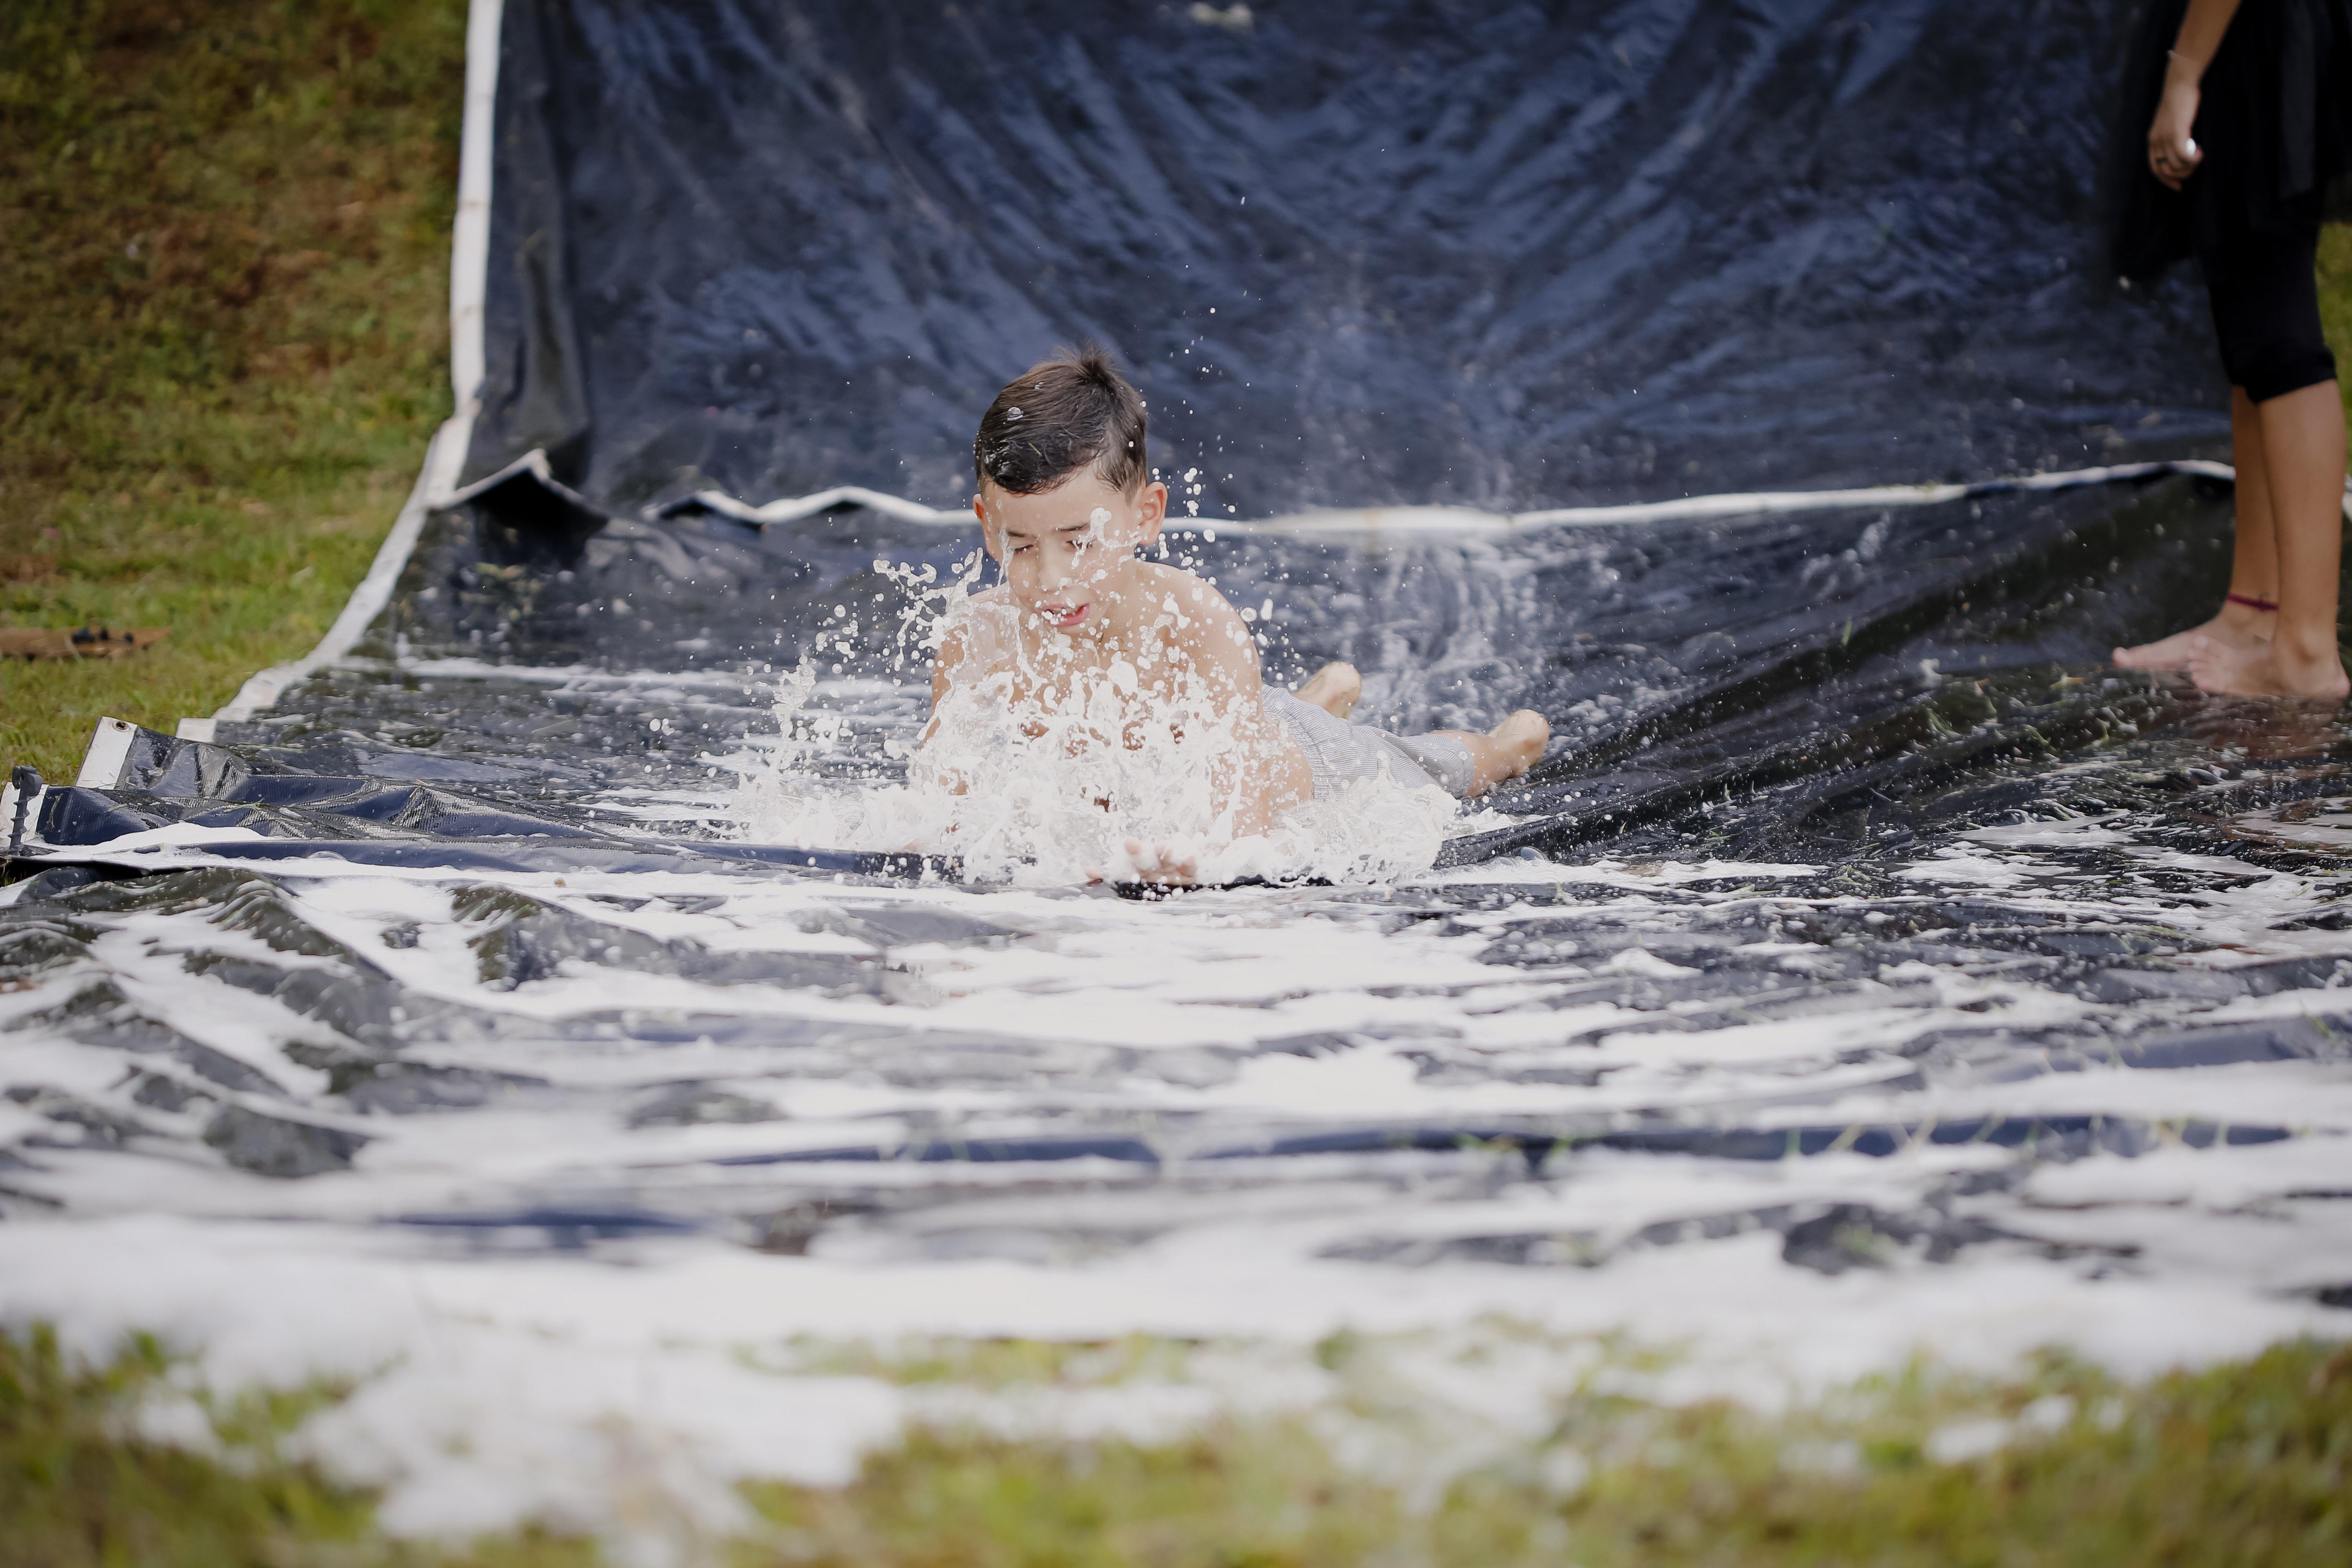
(1049, 791)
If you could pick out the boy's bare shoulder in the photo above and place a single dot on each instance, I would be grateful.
(1189, 614)
(1194, 597)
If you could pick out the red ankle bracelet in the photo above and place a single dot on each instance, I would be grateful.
(2251, 603)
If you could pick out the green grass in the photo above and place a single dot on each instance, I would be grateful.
(76, 1490)
(224, 226)
(2248, 1463)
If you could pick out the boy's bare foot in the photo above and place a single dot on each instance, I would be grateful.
(2266, 669)
(1334, 689)
(1521, 738)
(2237, 625)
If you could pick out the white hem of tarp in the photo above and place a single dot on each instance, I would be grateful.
(469, 237)
(798, 507)
(534, 463)
(1742, 503)
(1469, 519)
(445, 455)
(102, 764)
(436, 488)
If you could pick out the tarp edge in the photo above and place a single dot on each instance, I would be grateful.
(445, 454)
(1469, 519)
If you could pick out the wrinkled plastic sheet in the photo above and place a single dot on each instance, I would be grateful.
(1506, 255)
(1850, 851)
(1859, 908)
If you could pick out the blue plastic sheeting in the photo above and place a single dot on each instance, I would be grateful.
(1492, 252)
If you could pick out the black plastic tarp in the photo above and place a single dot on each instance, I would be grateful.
(1382, 254)
(1355, 252)
(1849, 843)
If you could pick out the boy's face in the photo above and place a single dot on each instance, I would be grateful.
(1064, 551)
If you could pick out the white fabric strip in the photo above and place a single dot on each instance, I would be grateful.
(445, 455)
(469, 246)
(798, 507)
(1468, 520)
(102, 764)
(434, 487)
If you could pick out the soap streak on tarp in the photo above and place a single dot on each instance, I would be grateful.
(591, 1154)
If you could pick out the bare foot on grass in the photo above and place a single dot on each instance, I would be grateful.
(2237, 626)
(2266, 669)
(1334, 689)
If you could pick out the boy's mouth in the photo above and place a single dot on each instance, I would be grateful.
(1063, 616)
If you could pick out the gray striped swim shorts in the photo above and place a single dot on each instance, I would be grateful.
(1338, 753)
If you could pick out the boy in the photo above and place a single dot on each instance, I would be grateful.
(1079, 620)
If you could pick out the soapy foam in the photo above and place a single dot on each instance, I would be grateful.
(621, 1385)
(1051, 792)
(608, 1199)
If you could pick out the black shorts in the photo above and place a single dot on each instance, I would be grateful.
(2266, 294)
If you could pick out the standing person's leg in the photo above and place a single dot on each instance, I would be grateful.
(2254, 560)
(2268, 316)
(2302, 449)
(2253, 563)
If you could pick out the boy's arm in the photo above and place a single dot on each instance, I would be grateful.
(954, 648)
(1262, 777)
(1257, 774)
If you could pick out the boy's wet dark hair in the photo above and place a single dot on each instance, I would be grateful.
(1057, 417)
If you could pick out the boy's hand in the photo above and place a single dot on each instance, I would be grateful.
(1164, 865)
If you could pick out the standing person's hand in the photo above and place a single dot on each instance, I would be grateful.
(2172, 153)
